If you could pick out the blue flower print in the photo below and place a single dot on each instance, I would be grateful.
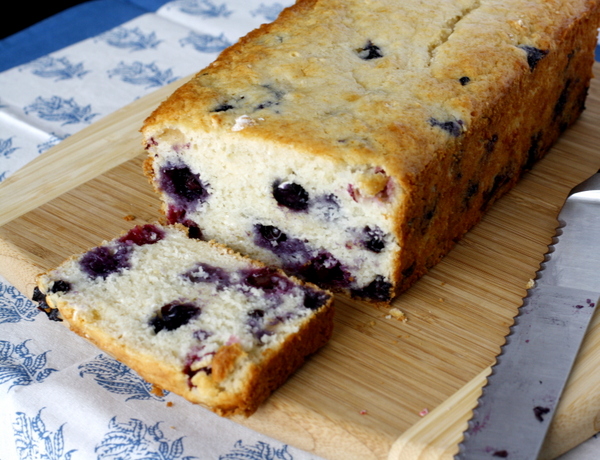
(134, 440)
(3, 175)
(202, 8)
(269, 12)
(6, 147)
(14, 306)
(19, 365)
(117, 378)
(34, 442)
(54, 139)
(57, 68)
(58, 109)
(133, 39)
(260, 451)
(206, 43)
(142, 74)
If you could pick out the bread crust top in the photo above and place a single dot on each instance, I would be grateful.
(370, 84)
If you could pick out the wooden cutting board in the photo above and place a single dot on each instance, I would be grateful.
(383, 387)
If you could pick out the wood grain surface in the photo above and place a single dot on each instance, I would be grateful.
(382, 388)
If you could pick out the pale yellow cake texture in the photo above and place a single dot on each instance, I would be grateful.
(114, 313)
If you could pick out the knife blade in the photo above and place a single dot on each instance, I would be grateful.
(523, 390)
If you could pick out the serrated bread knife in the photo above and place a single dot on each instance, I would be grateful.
(530, 373)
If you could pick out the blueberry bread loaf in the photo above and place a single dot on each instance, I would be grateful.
(352, 143)
(190, 316)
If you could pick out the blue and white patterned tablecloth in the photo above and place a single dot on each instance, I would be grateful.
(60, 398)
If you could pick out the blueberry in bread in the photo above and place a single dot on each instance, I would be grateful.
(190, 316)
(352, 143)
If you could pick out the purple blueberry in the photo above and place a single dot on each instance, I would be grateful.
(291, 195)
(60, 286)
(144, 234)
(534, 55)
(562, 100)
(453, 127)
(255, 322)
(540, 412)
(222, 108)
(325, 270)
(194, 356)
(470, 192)
(374, 239)
(490, 144)
(500, 181)
(194, 231)
(378, 289)
(177, 215)
(535, 151)
(105, 260)
(267, 279)
(150, 143)
(270, 235)
(292, 251)
(38, 295)
(184, 186)
(370, 51)
(464, 80)
(173, 315)
(206, 273)
(313, 299)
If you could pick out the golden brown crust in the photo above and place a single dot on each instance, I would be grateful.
(277, 365)
(224, 361)
(503, 143)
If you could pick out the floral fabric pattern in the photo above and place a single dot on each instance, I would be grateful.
(63, 398)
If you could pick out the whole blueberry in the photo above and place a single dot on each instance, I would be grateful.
(291, 195)
(173, 315)
(271, 234)
(182, 184)
(105, 260)
(378, 289)
(374, 239)
(453, 127)
(534, 55)
(313, 299)
(325, 270)
(60, 286)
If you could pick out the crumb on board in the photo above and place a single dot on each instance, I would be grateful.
(366, 327)
(129, 217)
(424, 412)
(397, 314)
(169, 403)
(157, 391)
(530, 284)
(363, 412)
